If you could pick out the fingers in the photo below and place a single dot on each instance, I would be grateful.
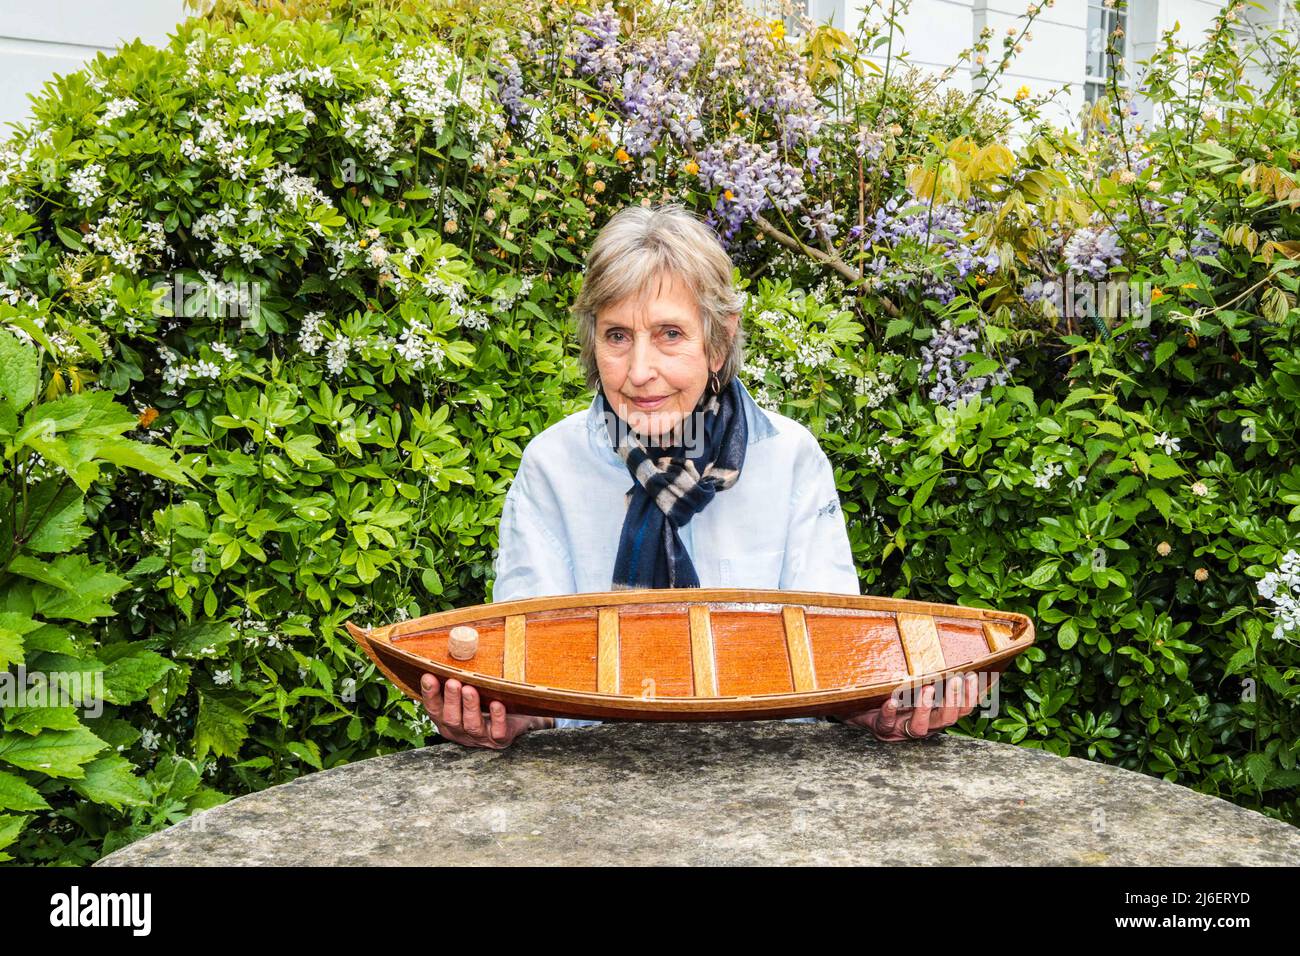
(961, 694)
(471, 719)
(972, 695)
(499, 728)
(431, 696)
(887, 720)
(954, 689)
(451, 705)
(920, 717)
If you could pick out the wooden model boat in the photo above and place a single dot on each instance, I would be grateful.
(695, 653)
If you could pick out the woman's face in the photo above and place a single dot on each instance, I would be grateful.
(653, 348)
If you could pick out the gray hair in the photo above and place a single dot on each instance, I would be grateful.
(640, 244)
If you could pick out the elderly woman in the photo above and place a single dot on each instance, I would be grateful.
(673, 477)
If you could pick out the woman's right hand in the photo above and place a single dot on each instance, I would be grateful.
(455, 712)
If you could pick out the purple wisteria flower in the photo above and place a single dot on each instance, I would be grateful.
(1094, 251)
(870, 145)
(749, 172)
(510, 88)
(647, 79)
(597, 52)
(914, 227)
(942, 356)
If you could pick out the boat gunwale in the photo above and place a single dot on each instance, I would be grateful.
(419, 626)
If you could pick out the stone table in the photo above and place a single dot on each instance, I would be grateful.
(764, 792)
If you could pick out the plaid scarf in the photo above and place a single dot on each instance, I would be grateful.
(670, 489)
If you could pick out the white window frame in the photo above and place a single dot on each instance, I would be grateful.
(1096, 39)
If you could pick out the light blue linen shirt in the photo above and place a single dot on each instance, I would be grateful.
(779, 526)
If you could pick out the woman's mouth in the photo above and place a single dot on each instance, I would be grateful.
(649, 404)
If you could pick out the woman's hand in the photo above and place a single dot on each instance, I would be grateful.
(458, 718)
(887, 721)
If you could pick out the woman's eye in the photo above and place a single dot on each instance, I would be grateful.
(611, 335)
(675, 332)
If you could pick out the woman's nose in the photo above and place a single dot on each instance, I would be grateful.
(643, 362)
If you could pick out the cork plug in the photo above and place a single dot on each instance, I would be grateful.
(462, 643)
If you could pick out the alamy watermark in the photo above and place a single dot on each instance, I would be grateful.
(212, 298)
(24, 688)
(1084, 298)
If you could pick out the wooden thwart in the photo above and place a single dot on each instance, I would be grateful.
(702, 659)
(512, 667)
(921, 643)
(607, 656)
(796, 643)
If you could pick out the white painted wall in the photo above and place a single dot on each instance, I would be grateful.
(39, 38)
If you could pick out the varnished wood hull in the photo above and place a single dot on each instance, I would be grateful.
(699, 654)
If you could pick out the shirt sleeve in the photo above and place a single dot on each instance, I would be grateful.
(530, 560)
(818, 556)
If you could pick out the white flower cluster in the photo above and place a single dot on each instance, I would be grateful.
(282, 94)
(1282, 589)
(295, 188)
(1044, 478)
(177, 372)
(504, 301)
(345, 243)
(105, 236)
(85, 183)
(801, 355)
(226, 151)
(418, 351)
(13, 297)
(435, 286)
(421, 79)
(1167, 444)
(875, 390)
(117, 108)
(310, 339)
(336, 354)
(206, 225)
(474, 319)
(66, 347)
(372, 125)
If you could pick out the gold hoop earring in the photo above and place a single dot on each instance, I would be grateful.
(713, 382)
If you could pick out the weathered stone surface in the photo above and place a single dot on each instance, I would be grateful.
(766, 792)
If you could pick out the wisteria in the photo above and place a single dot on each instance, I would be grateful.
(942, 357)
(942, 231)
(747, 173)
(1094, 251)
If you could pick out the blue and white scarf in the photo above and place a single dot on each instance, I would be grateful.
(670, 488)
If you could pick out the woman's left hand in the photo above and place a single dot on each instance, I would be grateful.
(886, 722)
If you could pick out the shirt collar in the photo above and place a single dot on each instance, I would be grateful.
(758, 424)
